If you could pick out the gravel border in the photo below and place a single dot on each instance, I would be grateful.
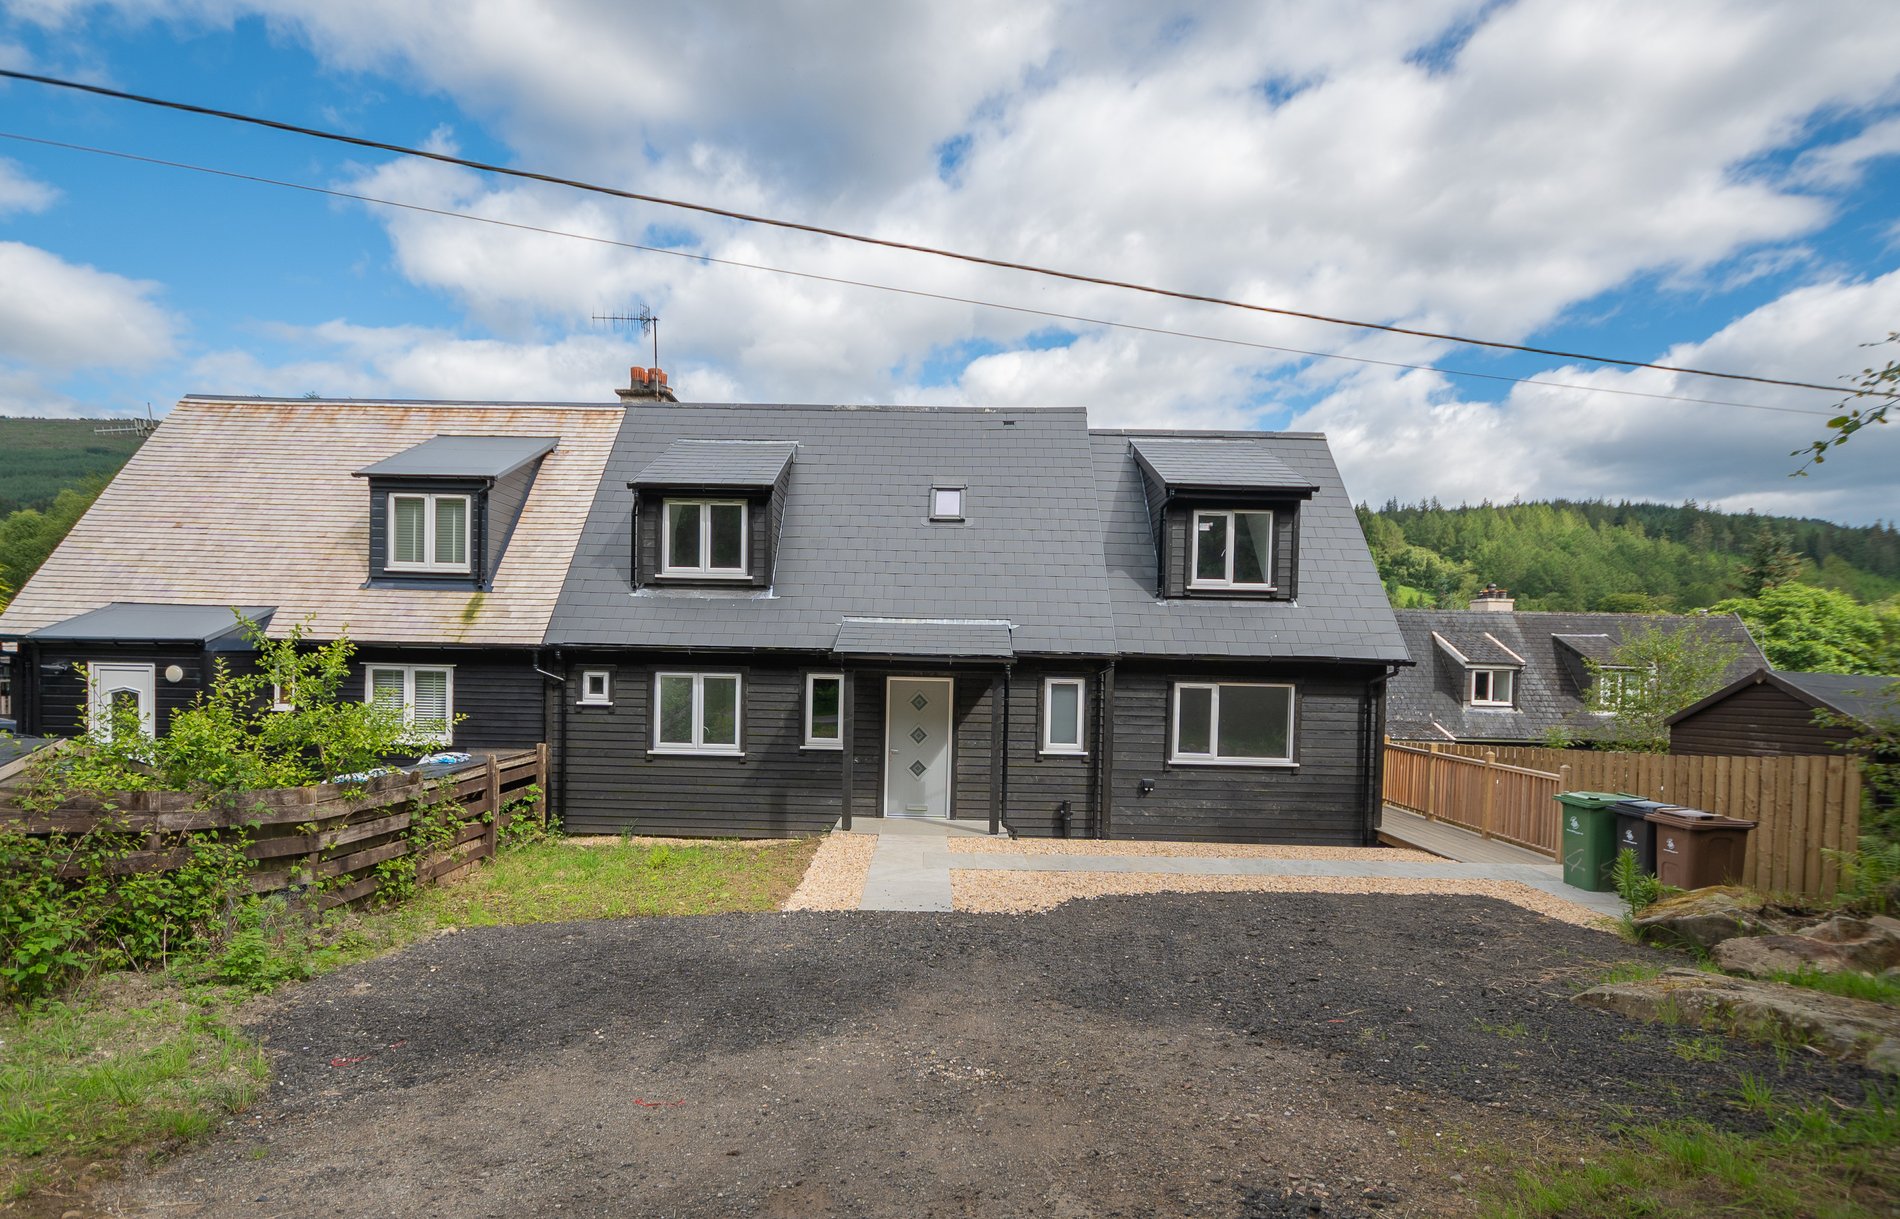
(834, 880)
(1184, 850)
(979, 890)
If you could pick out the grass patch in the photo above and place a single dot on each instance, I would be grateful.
(1809, 1162)
(1848, 983)
(146, 1061)
(132, 1061)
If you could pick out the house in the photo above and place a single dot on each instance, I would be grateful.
(1494, 674)
(436, 535)
(1768, 713)
(759, 620)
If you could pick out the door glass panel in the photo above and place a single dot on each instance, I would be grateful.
(451, 531)
(1253, 721)
(1210, 547)
(720, 711)
(676, 710)
(824, 709)
(728, 536)
(684, 535)
(1196, 720)
(1064, 713)
(406, 529)
(1253, 544)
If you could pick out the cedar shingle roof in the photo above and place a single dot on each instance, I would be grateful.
(253, 501)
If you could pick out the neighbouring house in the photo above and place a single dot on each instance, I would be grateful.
(747, 620)
(1493, 674)
(1770, 713)
(435, 535)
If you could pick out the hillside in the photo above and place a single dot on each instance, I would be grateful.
(39, 458)
(1593, 555)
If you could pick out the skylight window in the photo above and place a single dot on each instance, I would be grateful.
(946, 503)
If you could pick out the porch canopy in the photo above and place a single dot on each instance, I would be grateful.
(215, 627)
(924, 639)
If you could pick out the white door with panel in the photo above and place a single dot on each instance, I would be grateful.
(917, 735)
(111, 686)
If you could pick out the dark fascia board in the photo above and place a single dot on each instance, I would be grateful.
(1758, 677)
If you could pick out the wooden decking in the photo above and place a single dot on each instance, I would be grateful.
(1409, 829)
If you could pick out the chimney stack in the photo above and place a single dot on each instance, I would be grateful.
(647, 385)
(1494, 599)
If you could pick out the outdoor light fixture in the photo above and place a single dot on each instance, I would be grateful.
(1147, 787)
(174, 673)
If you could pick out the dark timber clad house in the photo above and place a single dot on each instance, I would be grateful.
(435, 535)
(781, 615)
(758, 620)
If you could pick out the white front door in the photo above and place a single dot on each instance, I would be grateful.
(917, 741)
(111, 685)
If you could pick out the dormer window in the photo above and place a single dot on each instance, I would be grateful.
(704, 537)
(428, 533)
(1616, 689)
(1233, 549)
(1492, 688)
(946, 503)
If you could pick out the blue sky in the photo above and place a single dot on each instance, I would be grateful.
(1708, 182)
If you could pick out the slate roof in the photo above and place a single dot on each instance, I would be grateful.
(718, 463)
(252, 501)
(1236, 463)
(923, 637)
(1599, 647)
(127, 621)
(1055, 542)
(1426, 703)
(462, 457)
(1854, 696)
(1342, 612)
(1478, 647)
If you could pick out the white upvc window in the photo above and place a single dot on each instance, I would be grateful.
(1492, 688)
(703, 537)
(1616, 689)
(283, 696)
(696, 713)
(946, 503)
(1232, 549)
(596, 688)
(1063, 703)
(427, 532)
(425, 694)
(1232, 723)
(824, 711)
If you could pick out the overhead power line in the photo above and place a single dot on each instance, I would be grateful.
(1051, 314)
(887, 243)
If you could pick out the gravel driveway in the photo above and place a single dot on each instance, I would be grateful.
(1247, 1055)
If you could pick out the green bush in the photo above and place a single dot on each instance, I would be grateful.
(268, 945)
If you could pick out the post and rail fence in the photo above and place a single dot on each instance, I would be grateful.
(1803, 807)
(332, 835)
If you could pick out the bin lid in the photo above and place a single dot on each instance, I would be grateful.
(1640, 808)
(1592, 799)
(1697, 819)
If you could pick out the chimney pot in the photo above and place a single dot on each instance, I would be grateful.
(639, 374)
(1494, 599)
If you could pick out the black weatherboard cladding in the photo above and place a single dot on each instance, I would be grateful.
(63, 696)
(497, 693)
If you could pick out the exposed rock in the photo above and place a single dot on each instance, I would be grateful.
(1856, 1030)
(1703, 918)
(1841, 943)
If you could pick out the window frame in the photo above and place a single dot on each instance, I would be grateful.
(447, 735)
(952, 517)
(1080, 748)
(1625, 680)
(698, 747)
(1215, 758)
(1227, 582)
(1492, 671)
(705, 571)
(811, 742)
(587, 696)
(280, 700)
(429, 499)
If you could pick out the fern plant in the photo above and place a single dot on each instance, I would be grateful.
(1638, 889)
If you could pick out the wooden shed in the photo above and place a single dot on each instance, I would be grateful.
(1773, 714)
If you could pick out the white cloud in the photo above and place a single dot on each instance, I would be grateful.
(21, 192)
(1842, 164)
(61, 316)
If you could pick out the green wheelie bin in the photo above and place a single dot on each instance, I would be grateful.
(1589, 838)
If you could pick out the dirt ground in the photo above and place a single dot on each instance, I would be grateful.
(1245, 1055)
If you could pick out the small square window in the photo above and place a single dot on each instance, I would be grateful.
(946, 503)
(596, 688)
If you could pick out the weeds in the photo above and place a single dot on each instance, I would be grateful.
(1876, 987)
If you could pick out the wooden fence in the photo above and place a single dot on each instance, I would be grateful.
(1511, 803)
(329, 833)
(1803, 806)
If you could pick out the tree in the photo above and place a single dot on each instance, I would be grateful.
(28, 536)
(1880, 384)
(1653, 674)
(1769, 563)
(1813, 630)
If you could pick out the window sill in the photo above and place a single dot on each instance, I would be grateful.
(1492, 706)
(593, 702)
(665, 574)
(1062, 753)
(1195, 586)
(426, 569)
(696, 753)
(1247, 763)
(822, 747)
